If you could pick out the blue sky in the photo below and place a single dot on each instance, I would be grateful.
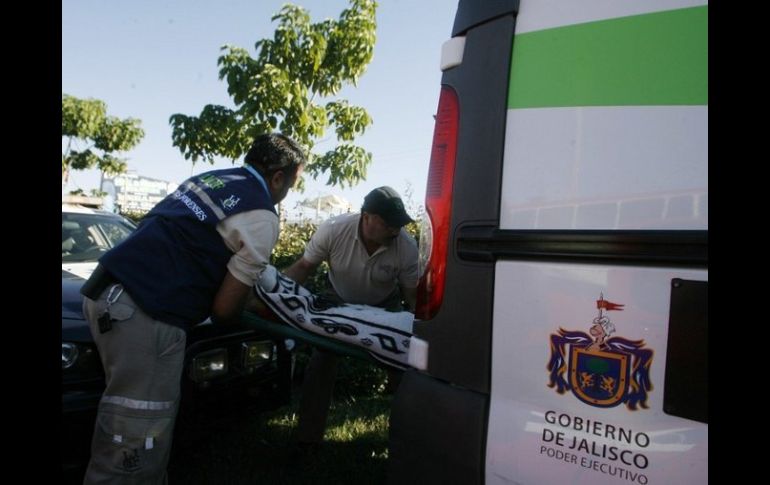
(150, 59)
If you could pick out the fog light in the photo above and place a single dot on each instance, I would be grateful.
(210, 364)
(255, 354)
(69, 354)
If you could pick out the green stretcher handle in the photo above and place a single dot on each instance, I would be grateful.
(283, 330)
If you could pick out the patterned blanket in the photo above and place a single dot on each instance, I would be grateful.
(385, 335)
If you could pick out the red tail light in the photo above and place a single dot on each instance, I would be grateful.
(434, 233)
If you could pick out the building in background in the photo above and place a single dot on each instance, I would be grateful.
(135, 193)
(316, 209)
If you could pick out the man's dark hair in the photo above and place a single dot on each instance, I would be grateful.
(273, 152)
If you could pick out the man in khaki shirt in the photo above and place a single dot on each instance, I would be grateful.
(372, 261)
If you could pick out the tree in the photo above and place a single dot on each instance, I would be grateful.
(303, 65)
(86, 127)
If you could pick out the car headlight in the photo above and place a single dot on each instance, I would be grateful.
(256, 354)
(209, 364)
(80, 362)
(69, 355)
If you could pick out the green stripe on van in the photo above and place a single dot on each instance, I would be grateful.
(653, 59)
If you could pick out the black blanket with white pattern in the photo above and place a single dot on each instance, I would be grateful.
(385, 335)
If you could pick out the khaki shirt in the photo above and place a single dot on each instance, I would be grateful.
(251, 236)
(356, 276)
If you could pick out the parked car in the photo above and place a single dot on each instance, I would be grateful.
(564, 256)
(230, 372)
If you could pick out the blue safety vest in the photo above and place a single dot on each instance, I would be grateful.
(175, 261)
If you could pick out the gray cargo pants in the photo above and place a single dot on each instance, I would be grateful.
(143, 360)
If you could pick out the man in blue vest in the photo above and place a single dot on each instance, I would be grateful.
(196, 254)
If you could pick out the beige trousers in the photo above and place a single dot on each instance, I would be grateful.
(143, 360)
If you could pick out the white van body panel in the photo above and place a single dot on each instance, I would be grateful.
(588, 146)
(548, 14)
(532, 302)
(614, 167)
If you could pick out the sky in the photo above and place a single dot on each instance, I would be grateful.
(149, 59)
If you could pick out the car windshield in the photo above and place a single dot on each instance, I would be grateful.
(85, 237)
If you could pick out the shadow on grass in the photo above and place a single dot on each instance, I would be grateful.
(260, 449)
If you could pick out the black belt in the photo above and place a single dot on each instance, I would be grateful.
(99, 280)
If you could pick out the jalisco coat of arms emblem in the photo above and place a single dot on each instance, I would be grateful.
(603, 371)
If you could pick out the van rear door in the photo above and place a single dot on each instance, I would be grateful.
(600, 323)
(568, 344)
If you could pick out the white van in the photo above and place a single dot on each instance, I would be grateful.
(564, 282)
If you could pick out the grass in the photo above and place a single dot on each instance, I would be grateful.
(260, 449)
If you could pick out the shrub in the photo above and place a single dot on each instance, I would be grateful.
(132, 215)
(291, 246)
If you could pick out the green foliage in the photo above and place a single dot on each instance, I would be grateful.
(413, 228)
(133, 215)
(94, 192)
(291, 246)
(356, 377)
(291, 243)
(277, 90)
(92, 136)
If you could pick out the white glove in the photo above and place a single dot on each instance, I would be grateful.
(268, 280)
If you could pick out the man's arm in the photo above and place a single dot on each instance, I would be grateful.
(251, 236)
(229, 300)
(301, 270)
